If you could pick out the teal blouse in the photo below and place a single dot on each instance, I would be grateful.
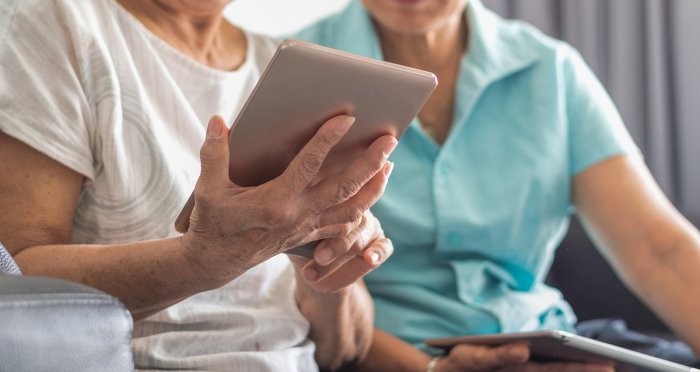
(475, 222)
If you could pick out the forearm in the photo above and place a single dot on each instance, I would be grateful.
(670, 285)
(341, 323)
(146, 276)
(389, 353)
(654, 249)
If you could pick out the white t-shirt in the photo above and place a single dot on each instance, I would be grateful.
(85, 83)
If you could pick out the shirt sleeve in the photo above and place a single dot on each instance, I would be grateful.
(596, 129)
(42, 100)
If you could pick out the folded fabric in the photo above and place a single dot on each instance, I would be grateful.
(614, 331)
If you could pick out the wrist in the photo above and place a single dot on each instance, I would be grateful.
(306, 293)
(207, 269)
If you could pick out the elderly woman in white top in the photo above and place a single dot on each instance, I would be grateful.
(103, 106)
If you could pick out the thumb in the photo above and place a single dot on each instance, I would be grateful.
(214, 155)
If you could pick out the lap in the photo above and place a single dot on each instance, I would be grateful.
(615, 332)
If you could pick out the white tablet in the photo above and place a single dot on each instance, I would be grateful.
(554, 345)
(303, 86)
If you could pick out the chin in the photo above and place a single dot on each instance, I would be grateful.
(203, 5)
(409, 26)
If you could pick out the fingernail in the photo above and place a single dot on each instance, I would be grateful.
(324, 255)
(374, 256)
(389, 169)
(343, 127)
(311, 274)
(215, 128)
(389, 147)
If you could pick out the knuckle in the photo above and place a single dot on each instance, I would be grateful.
(356, 248)
(364, 228)
(203, 195)
(374, 163)
(310, 163)
(328, 137)
(353, 214)
(388, 247)
(337, 230)
(346, 228)
(347, 189)
(207, 154)
(276, 214)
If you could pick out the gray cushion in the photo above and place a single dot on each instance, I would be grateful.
(55, 325)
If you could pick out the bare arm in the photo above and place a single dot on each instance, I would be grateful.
(654, 249)
(341, 323)
(39, 196)
(389, 353)
(336, 303)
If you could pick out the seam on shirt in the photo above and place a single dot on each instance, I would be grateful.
(54, 150)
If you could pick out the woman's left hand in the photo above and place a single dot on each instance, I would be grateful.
(332, 296)
(340, 262)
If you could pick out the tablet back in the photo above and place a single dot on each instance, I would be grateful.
(305, 85)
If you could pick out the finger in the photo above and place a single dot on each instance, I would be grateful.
(364, 232)
(331, 231)
(484, 358)
(304, 167)
(328, 279)
(214, 156)
(298, 261)
(342, 186)
(378, 252)
(353, 208)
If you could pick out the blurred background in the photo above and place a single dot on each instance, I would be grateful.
(646, 53)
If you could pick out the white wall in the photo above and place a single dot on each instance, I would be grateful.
(278, 17)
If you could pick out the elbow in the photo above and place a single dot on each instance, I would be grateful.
(659, 258)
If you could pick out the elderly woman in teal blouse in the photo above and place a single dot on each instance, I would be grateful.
(518, 135)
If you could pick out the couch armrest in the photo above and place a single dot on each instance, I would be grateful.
(55, 325)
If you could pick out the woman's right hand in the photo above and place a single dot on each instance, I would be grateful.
(234, 228)
(506, 358)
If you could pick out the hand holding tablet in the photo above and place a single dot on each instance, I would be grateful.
(559, 346)
(303, 86)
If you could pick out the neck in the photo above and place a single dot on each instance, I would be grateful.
(203, 35)
(432, 50)
(439, 51)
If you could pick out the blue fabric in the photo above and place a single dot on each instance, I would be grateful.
(615, 332)
(475, 222)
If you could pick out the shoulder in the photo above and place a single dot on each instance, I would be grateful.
(51, 23)
(554, 56)
(351, 20)
(522, 35)
(48, 12)
(322, 31)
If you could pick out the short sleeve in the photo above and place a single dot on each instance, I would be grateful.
(42, 100)
(596, 129)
